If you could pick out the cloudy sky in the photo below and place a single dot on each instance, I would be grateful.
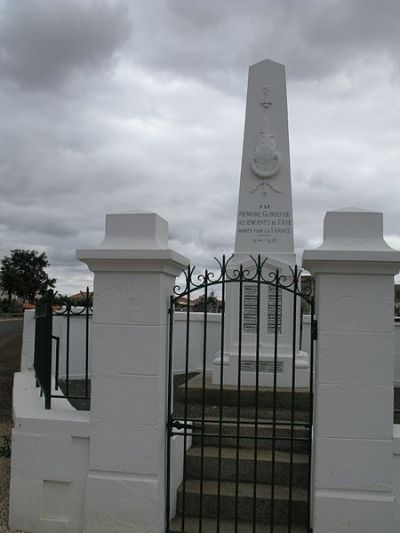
(116, 105)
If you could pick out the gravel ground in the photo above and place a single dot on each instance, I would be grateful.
(10, 352)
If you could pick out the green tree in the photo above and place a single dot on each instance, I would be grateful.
(23, 275)
(212, 302)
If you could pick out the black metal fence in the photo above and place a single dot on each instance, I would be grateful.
(52, 359)
(245, 459)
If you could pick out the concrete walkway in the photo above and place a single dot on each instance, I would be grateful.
(10, 355)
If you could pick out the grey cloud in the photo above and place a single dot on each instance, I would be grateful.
(41, 221)
(217, 41)
(158, 124)
(43, 42)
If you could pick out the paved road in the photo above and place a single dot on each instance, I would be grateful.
(11, 326)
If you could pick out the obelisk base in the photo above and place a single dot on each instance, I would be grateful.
(266, 366)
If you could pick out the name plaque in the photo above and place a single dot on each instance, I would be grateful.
(250, 310)
(267, 367)
(274, 310)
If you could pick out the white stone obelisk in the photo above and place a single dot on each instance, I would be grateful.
(264, 227)
(264, 219)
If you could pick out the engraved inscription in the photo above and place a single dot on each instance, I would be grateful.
(264, 225)
(274, 310)
(250, 309)
(268, 367)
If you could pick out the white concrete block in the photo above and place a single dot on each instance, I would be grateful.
(55, 525)
(337, 304)
(354, 464)
(26, 503)
(121, 298)
(396, 474)
(54, 457)
(129, 398)
(123, 503)
(129, 349)
(138, 449)
(355, 411)
(28, 340)
(138, 230)
(56, 500)
(375, 305)
(353, 358)
(353, 512)
(355, 303)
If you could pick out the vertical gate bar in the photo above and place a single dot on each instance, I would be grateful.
(169, 413)
(185, 409)
(67, 350)
(238, 397)
(311, 410)
(203, 400)
(47, 368)
(256, 395)
(57, 369)
(221, 393)
(293, 391)
(301, 323)
(87, 346)
(274, 399)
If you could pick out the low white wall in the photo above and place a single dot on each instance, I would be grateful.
(28, 340)
(78, 336)
(49, 462)
(195, 340)
(77, 343)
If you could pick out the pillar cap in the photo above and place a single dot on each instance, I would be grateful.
(138, 230)
(133, 241)
(352, 235)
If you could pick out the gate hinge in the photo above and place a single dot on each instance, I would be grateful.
(314, 330)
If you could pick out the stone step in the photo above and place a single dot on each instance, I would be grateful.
(209, 525)
(247, 434)
(195, 410)
(246, 465)
(245, 501)
(212, 394)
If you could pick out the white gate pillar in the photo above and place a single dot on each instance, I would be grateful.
(353, 431)
(134, 276)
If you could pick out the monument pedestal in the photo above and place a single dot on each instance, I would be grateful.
(266, 367)
(278, 324)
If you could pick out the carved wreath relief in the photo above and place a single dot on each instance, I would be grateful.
(265, 161)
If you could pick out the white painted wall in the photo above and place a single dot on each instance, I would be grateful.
(196, 340)
(78, 335)
(77, 344)
(28, 340)
(49, 462)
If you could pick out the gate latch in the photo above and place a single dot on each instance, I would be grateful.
(314, 330)
(177, 424)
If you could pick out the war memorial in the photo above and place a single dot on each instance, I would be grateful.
(255, 419)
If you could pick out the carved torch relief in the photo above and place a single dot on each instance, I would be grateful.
(265, 162)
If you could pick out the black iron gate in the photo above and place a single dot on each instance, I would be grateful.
(239, 449)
